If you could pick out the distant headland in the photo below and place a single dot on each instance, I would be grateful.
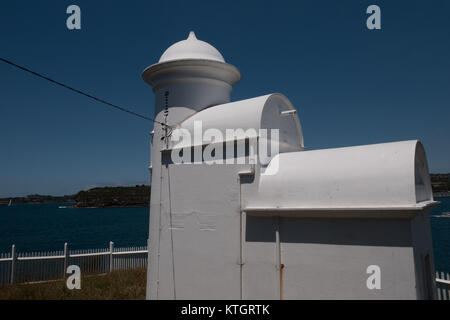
(137, 196)
(440, 182)
(37, 198)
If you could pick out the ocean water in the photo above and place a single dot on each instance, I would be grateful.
(440, 231)
(41, 227)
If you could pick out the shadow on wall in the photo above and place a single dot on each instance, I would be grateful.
(358, 232)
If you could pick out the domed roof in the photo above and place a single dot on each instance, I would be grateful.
(191, 48)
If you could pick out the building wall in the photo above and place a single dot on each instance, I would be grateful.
(423, 255)
(199, 241)
(261, 275)
(327, 258)
(196, 253)
(159, 201)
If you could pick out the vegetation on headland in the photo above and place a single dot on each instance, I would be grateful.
(117, 285)
(37, 198)
(138, 196)
(440, 183)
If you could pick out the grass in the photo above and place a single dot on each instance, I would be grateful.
(117, 285)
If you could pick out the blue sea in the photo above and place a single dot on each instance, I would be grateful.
(440, 230)
(42, 227)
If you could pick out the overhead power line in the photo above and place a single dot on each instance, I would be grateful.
(80, 92)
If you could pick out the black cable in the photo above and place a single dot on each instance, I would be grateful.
(81, 92)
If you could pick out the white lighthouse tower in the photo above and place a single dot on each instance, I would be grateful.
(324, 224)
(190, 76)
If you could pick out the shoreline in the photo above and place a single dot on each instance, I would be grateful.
(133, 206)
(441, 195)
(75, 206)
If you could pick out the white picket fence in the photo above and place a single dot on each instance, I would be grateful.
(443, 285)
(52, 265)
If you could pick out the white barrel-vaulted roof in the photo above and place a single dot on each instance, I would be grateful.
(264, 112)
(379, 176)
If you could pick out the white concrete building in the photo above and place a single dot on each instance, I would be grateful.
(303, 225)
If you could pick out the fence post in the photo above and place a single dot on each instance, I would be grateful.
(13, 262)
(438, 287)
(448, 287)
(444, 288)
(66, 258)
(111, 250)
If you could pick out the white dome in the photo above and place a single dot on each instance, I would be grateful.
(191, 48)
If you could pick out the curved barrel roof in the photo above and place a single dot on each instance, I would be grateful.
(377, 176)
(265, 112)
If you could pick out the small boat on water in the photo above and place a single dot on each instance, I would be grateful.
(10, 203)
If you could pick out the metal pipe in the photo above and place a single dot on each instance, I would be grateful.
(288, 112)
(248, 172)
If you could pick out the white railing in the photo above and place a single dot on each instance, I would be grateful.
(52, 265)
(443, 285)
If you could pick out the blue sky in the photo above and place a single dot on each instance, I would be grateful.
(350, 85)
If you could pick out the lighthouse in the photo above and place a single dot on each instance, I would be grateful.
(248, 213)
(191, 74)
